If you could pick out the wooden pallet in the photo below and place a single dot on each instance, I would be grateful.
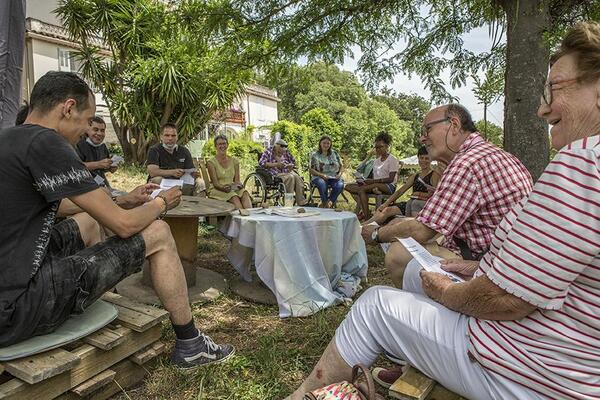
(414, 385)
(92, 365)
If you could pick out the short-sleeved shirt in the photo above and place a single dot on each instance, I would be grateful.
(39, 168)
(268, 156)
(546, 251)
(382, 169)
(328, 164)
(479, 186)
(181, 158)
(89, 153)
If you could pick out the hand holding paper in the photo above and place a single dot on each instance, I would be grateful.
(426, 260)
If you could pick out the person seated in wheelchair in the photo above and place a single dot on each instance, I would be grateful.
(280, 163)
(224, 173)
(385, 176)
(423, 185)
(326, 172)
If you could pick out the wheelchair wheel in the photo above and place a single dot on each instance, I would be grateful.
(278, 195)
(256, 186)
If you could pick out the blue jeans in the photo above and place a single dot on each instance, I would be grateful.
(336, 185)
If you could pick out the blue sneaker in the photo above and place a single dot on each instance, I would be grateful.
(199, 351)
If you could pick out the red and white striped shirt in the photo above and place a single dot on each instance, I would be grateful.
(479, 186)
(547, 252)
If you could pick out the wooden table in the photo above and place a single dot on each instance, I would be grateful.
(183, 221)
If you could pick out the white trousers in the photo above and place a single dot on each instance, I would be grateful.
(430, 337)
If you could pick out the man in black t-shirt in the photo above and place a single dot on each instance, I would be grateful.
(49, 270)
(94, 153)
(170, 160)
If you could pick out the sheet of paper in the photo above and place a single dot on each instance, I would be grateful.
(169, 183)
(99, 180)
(155, 193)
(427, 261)
(116, 160)
(188, 179)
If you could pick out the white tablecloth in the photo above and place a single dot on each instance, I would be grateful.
(299, 259)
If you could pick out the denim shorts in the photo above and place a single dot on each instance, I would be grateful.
(73, 276)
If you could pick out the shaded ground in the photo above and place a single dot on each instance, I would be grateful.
(272, 356)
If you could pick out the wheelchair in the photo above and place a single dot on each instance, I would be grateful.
(263, 186)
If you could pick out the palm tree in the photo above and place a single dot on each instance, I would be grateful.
(153, 63)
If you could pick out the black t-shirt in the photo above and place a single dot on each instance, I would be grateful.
(38, 169)
(181, 158)
(88, 153)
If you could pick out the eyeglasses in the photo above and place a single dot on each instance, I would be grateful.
(427, 127)
(546, 98)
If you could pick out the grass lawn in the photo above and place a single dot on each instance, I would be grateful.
(272, 355)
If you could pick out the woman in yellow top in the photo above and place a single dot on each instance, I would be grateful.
(224, 173)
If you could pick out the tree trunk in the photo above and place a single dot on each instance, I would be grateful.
(526, 135)
(485, 135)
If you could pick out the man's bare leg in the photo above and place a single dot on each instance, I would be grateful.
(90, 230)
(330, 368)
(192, 348)
(166, 271)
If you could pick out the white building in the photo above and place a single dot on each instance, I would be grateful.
(48, 48)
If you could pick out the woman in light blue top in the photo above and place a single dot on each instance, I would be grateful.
(326, 172)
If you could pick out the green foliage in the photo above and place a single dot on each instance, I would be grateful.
(320, 123)
(298, 139)
(321, 96)
(491, 132)
(168, 63)
(361, 124)
(411, 108)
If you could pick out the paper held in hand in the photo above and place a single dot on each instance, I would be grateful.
(427, 261)
(116, 160)
(187, 177)
(166, 184)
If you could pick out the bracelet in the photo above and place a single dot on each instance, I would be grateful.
(163, 213)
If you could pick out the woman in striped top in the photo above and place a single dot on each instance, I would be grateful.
(527, 325)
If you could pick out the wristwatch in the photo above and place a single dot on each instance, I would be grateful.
(375, 235)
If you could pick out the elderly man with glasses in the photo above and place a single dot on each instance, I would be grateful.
(480, 185)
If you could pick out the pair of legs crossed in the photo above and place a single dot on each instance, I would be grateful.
(360, 193)
(293, 184)
(322, 185)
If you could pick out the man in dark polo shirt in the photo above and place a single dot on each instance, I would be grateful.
(94, 153)
(50, 270)
(170, 160)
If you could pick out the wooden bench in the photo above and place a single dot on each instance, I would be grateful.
(413, 385)
(95, 367)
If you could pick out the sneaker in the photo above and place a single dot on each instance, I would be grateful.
(199, 351)
(386, 377)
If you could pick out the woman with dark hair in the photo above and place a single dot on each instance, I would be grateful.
(326, 172)
(385, 175)
(422, 183)
(224, 172)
